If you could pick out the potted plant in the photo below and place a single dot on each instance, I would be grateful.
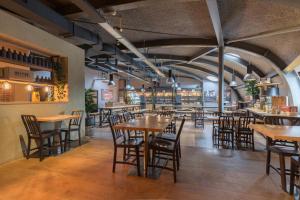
(90, 105)
(252, 89)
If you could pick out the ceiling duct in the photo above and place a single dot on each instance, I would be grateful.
(97, 18)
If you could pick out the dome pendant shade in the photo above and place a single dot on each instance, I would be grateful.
(249, 76)
(233, 82)
(143, 88)
(170, 79)
(111, 80)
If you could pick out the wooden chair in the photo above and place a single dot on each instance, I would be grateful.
(167, 150)
(215, 125)
(244, 134)
(295, 164)
(225, 131)
(121, 140)
(199, 118)
(283, 149)
(34, 133)
(127, 116)
(74, 126)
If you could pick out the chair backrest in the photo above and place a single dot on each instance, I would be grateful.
(217, 113)
(199, 114)
(226, 122)
(117, 134)
(76, 121)
(273, 121)
(128, 116)
(244, 122)
(180, 130)
(31, 125)
(167, 113)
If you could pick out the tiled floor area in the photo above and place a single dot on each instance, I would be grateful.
(85, 173)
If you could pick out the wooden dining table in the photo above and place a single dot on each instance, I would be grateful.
(57, 118)
(278, 132)
(216, 118)
(146, 124)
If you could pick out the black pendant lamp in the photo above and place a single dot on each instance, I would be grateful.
(170, 79)
(111, 80)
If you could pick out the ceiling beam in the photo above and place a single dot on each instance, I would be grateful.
(201, 53)
(271, 74)
(294, 64)
(43, 16)
(177, 60)
(240, 61)
(197, 42)
(96, 17)
(182, 42)
(213, 10)
(266, 34)
(187, 73)
(116, 5)
(260, 51)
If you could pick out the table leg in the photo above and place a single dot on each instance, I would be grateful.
(146, 153)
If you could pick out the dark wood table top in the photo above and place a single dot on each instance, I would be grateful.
(277, 132)
(152, 123)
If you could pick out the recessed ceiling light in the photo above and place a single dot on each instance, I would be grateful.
(212, 78)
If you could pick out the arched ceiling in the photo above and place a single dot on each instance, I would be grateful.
(186, 29)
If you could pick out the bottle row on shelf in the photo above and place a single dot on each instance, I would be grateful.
(30, 59)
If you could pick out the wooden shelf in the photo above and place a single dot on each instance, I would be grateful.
(32, 66)
(266, 84)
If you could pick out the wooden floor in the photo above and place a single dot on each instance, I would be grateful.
(85, 173)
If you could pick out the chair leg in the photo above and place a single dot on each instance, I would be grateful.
(41, 150)
(179, 149)
(79, 136)
(137, 152)
(282, 172)
(232, 140)
(153, 158)
(28, 148)
(61, 143)
(114, 160)
(292, 178)
(49, 145)
(268, 162)
(177, 158)
(252, 141)
(124, 153)
(66, 140)
(174, 167)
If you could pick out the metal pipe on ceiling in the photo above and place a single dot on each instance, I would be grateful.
(96, 17)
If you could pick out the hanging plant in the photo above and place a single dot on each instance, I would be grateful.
(251, 88)
(59, 79)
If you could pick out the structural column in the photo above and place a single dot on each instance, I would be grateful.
(221, 80)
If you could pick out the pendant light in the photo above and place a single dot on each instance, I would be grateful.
(170, 79)
(178, 87)
(233, 82)
(143, 88)
(111, 80)
(249, 76)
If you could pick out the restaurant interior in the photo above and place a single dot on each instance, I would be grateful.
(150, 99)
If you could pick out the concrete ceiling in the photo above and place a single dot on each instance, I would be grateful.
(154, 20)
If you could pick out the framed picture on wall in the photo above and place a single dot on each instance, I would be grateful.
(106, 95)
